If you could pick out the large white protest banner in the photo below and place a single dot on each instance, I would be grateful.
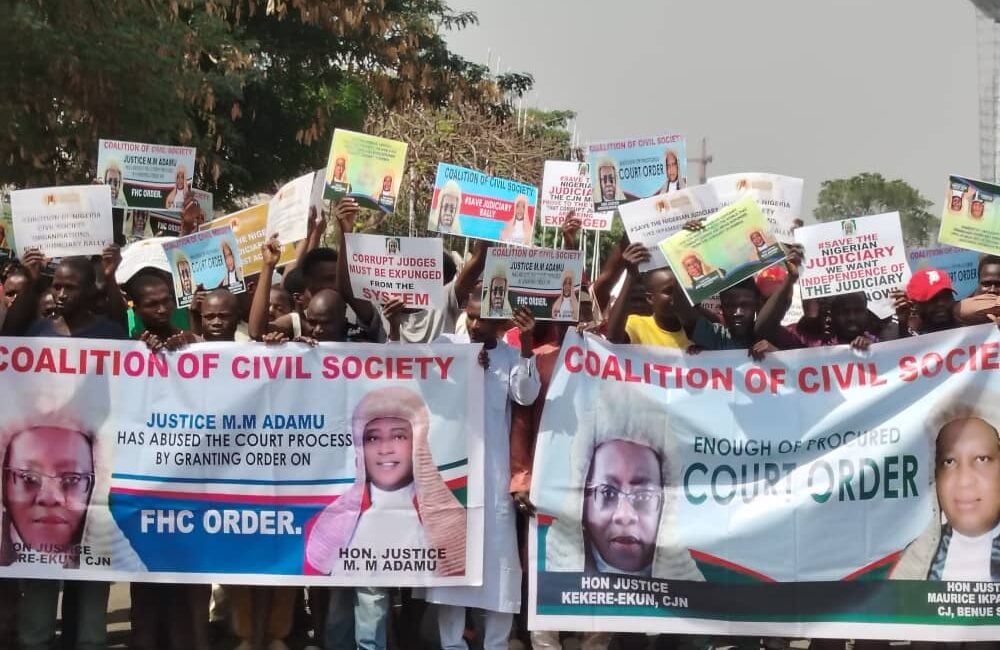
(815, 494)
(242, 463)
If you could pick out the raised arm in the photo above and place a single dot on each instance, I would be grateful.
(192, 215)
(22, 313)
(610, 272)
(346, 210)
(117, 308)
(571, 231)
(777, 304)
(270, 254)
(471, 271)
(633, 255)
(314, 236)
(524, 381)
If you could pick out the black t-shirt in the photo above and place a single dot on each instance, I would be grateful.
(101, 327)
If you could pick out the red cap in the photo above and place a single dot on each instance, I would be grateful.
(769, 280)
(927, 283)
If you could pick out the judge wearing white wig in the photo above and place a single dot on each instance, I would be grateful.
(621, 512)
(398, 496)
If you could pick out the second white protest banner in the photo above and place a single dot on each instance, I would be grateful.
(383, 267)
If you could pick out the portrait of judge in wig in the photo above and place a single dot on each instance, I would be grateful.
(55, 483)
(621, 515)
(398, 499)
(445, 216)
(672, 165)
(697, 269)
(607, 184)
(518, 229)
(962, 541)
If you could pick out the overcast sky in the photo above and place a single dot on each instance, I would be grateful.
(819, 89)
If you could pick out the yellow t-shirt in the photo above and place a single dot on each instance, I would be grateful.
(643, 330)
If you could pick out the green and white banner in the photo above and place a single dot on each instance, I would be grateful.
(819, 493)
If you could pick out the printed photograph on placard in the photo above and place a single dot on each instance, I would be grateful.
(734, 244)
(637, 168)
(971, 215)
(473, 204)
(151, 176)
(544, 281)
(365, 167)
(203, 261)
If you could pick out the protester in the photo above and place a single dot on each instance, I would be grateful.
(153, 302)
(670, 308)
(989, 275)
(928, 305)
(279, 303)
(177, 613)
(840, 320)
(416, 325)
(14, 284)
(74, 289)
(510, 377)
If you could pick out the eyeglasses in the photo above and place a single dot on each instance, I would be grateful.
(607, 497)
(28, 483)
(114, 181)
(608, 178)
(498, 289)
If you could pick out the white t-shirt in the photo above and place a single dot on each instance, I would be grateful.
(969, 557)
(425, 325)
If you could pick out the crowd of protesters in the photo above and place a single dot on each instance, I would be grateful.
(310, 301)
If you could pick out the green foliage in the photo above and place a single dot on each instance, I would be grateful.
(870, 193)
(256, 85)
